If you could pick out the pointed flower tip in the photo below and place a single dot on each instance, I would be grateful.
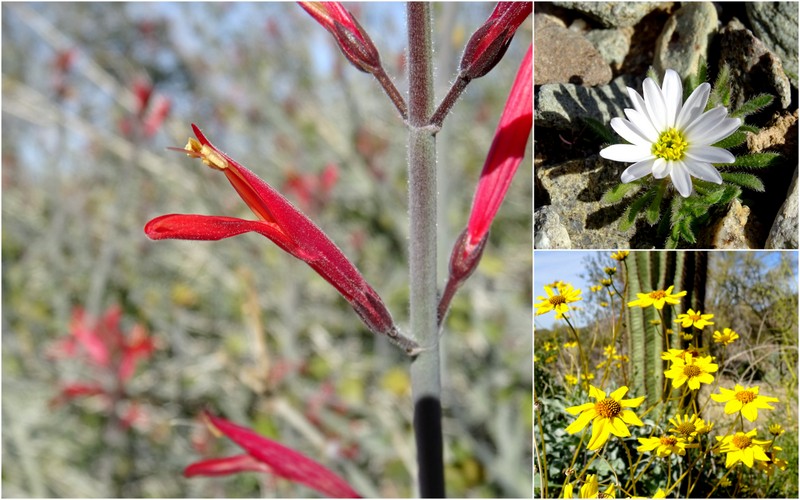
(351, 38)
(487, 46)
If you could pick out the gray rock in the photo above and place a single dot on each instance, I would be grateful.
(548, 231)
(685, 38)
(565, 106)
(575, 189)
(775, 23)
(754, 69)
(731, 232)
(613, 14)
(783, 233)
(565, 56)
(613, 44)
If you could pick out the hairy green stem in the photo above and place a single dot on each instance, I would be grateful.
(425, 370)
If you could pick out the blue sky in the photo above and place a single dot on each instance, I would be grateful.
(567, 265)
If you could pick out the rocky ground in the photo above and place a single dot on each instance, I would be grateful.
(586, 53)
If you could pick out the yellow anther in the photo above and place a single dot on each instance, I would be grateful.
(671, 145)
(208, 155)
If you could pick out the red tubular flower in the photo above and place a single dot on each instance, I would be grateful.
(353, 41)
(505, 155)
(288, 228)
(489, 42)
(265, 455)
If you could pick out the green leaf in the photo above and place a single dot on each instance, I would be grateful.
(749, 128)
(630, 215)
(671, 243)
(754, 160)
(713, 196)
(619, 191)
(721, 93)
(651, 73)
(731, 192)
(735, 139)
(695, 79)
(686, 231)
(599, 129)
(748, 181)
(753, 105)
(653, 213)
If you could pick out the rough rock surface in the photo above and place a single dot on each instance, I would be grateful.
(564, 106)
(613, 45)
(731, 232)
(548, 230)
(685, 38)
(754, 68)
(775, 23)
(565, 56)
(613, 14)
(783, 233)
(575, 189)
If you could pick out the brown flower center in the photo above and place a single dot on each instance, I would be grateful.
(695, 317)
(602, 494)
(608, 408)
(686, 428)
(658, 294)
(741, 441)
(692, 371)
(746, 396)
(558, 299)
(669, 440)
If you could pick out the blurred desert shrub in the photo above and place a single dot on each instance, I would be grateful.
(242, 328)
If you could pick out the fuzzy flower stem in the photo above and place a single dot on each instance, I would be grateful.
(425, 376)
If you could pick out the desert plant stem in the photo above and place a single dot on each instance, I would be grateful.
(425, 370)
(391, 91)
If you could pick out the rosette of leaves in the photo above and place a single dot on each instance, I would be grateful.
(646, 197)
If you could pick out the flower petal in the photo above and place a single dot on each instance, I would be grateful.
(710, 154)
(225, 466)
(682, 180)
(618, 428)
(625, 153)
(637, 171)
(672, 89)
(654, 102)
(694, 106)
(581, 422)
(630, 132)
(711, 127)
(661, 168)
(703, 171)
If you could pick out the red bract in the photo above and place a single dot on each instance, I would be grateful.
(489, 42)
(353, 41)
(505, 155)
(288, 228)
(265, 455)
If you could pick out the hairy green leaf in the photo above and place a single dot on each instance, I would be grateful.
(619, 191)
(755, 160)
(748, 181)
(753, 105)
(733, 140)
(599, 129)
(630, 215)
(653, 213)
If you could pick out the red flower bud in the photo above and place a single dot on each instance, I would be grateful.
(353, 41)
(489, 42)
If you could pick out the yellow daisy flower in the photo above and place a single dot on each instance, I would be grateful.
(610, 351)
(664, 445)
(696, 319)
(591, 489)
(746, 400)
(743, 448)
(693, 371)
(571, 379)
(688, 428)
(611, 271)
(621, 255)
(603, 304)
(776, 429)
(686, 336)
(557, 301)
(657, 298)
(681, 354)
(556, 284)
(608, 416)
(567, 493)
(570, 345)
(606, 282)
(773, 463)
(726, 337)
(596, 288)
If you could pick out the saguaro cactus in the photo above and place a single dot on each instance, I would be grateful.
(649, 271)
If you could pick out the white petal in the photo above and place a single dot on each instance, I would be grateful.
(637, 170)
(636, 99)
(711, 127)
(703, 171)
(661, 168)
(681, 179)
(672, 89)
(693, 106)
(710, 154)
(643, 123)
(654, 101)
(625, 152)
(629, 131)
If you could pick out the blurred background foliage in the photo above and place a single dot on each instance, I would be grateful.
(240, 327)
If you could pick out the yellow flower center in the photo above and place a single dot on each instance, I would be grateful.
(692, 371)
(658, 294)
(695, 317)
(608, 408)
(671, 145)
(669, 440)
(686, 428)
(741, 441)
(746, 396)
(558, 299)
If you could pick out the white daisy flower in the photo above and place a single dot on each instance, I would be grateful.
(669, 137)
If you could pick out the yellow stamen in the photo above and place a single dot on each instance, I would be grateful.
(208, 155)
(669, 441)
(658, 294)
(557, 299)
(608, 408)
(741, 441)
(692, 371)
(671, 145)
(745, 396)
